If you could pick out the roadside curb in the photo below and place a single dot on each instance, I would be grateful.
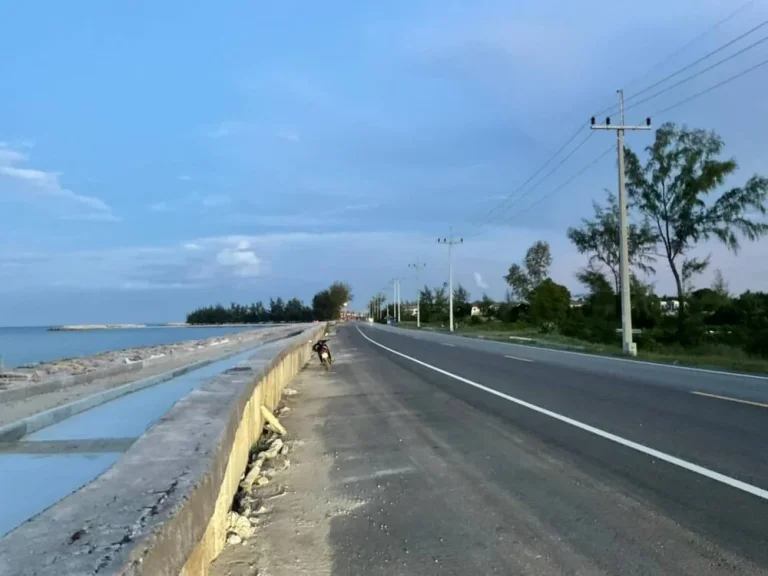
(16, 430)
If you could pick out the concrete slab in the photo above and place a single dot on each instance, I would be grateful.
(132, 415)
(32, 483)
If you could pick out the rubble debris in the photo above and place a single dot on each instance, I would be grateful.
(273, 422)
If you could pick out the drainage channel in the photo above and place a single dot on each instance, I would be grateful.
(52, 463)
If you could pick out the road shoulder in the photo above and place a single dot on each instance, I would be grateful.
(391, 475)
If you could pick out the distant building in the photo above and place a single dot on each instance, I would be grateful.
(475, 311)
(670, 306)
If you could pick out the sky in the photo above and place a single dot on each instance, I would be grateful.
(159, 156)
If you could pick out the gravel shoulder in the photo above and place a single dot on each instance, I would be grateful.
(175, 356)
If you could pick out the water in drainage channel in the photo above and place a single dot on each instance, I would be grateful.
(31, 482)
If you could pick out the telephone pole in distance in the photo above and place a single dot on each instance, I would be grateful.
(628, 346)
(417, 266)
(450, 241)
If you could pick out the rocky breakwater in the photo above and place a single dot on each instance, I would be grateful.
(36, 373)
(81, 327)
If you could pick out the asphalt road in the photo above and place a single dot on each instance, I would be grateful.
(474, 457)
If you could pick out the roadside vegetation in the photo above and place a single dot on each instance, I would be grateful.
(678, 199)
(326, 305)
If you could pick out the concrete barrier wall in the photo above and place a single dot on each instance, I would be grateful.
(161, 510)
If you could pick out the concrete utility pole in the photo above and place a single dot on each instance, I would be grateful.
(399, 298)
(417, 266)
(450, 241)
(628, 346)
(394, 299)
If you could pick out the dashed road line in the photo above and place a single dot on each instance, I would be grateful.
(739, 400)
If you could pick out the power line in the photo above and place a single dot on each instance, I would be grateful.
(539, 183)
(711, 88)
(612, 107)
(682, 48)
(696, 74)
(535, 174)
(712, 53)
(494, 213)
(656, 113)
(564, 184)
(552, 171)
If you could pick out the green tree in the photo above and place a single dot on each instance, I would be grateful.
(599, 238)
(524, 279)
(322, 306)
(646, 305)
(719, 285)
(294, 310)
(327, 304)
(672, 188)
(487, 306)
(341, 295)
(277, 310)
(461, 306)
(600, 308)
(440, 304)
(426, 303)
(550, 302)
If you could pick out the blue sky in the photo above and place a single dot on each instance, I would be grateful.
(157, 156)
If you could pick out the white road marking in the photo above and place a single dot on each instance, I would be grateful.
(617, 359)
(695, 468)
(446, 344)
(729, 399)
(518, 358)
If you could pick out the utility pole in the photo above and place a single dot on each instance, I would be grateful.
(394, 299)
(450, 241)
(628, 346)
(399, 298)
(417, 266)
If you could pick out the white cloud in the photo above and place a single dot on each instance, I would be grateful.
(31, 183)
(241, 259)
(216, 200)
(192, 246)
(479, 282)
(9, 156)
(159, 207)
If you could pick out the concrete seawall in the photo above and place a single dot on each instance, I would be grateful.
(161, 510)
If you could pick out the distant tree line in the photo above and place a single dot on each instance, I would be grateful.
(326, 305)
